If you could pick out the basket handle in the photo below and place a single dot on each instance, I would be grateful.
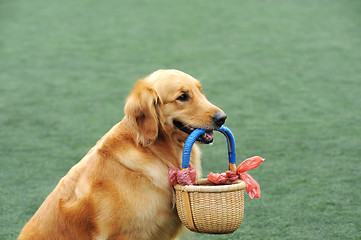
(198, 132)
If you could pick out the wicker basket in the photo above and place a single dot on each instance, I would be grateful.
(206, 207)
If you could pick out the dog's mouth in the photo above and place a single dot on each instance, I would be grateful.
(206, 138)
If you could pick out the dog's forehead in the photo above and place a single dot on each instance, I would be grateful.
(181, 83)
(174, 80)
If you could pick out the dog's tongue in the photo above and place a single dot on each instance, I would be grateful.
(207, 137)
(209, 134)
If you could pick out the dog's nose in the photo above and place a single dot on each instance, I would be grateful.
(219, 119)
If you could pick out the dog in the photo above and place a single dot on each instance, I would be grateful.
(120, 189)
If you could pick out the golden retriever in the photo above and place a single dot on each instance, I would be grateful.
(120, 189)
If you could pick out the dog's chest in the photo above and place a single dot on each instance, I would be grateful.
(153, 214)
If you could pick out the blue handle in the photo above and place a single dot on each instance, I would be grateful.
(198, 132)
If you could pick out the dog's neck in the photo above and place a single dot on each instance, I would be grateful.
(167, 148)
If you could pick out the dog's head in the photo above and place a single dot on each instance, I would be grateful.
(170, 102)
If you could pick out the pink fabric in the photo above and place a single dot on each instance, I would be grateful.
(188, 177)
(252, 187)
(182, 177)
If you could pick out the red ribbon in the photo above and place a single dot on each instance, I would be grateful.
(252, 187)
(187, 177)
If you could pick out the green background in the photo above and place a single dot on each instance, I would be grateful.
(287, 73)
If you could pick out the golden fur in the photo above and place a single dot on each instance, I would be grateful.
(120, 189)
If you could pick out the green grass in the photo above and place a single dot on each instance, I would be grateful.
(287, 73)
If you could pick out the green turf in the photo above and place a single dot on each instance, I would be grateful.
(287, 73)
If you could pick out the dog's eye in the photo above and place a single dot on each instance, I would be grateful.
(184, 97)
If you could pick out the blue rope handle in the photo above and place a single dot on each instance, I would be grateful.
(198, 132)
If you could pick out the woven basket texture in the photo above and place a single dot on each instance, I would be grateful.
(211, 212)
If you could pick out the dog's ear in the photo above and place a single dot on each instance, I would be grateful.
(141, 109)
